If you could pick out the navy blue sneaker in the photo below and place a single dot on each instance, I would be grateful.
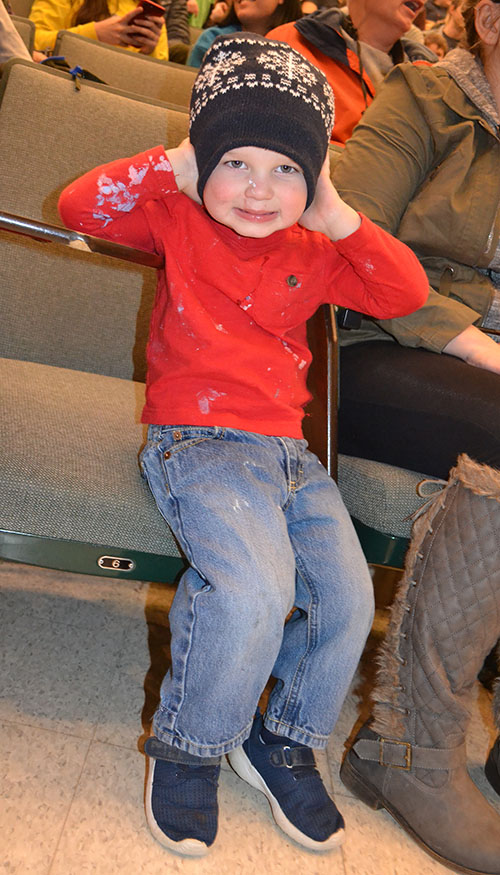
(286, 773)
(181, 803)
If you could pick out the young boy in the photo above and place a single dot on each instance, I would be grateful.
(258, 243)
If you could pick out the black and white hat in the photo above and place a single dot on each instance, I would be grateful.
(253, 91)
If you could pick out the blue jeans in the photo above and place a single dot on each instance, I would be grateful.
(264, 529)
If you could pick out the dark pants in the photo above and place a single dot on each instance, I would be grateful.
(416, 409)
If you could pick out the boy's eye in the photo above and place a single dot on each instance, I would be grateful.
(287, 168)
(235, 163)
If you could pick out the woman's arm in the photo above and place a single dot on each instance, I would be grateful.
(475, 348)
(51, 16)
(390, 155)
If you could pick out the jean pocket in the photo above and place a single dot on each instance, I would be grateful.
(177, 439)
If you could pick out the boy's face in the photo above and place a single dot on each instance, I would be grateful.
(255, 191)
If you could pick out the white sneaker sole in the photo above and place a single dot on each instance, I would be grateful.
(244, 768)
(186, 847)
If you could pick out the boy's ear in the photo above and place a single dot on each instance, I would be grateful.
(487, 21)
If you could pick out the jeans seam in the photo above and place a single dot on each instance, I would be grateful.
(296, 683)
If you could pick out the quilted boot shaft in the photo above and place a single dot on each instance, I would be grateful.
(446, 616)
(411, 760)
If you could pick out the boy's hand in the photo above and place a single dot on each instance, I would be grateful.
(328, 213)
(185, 169)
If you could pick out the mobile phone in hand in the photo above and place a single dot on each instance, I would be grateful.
(148, 9)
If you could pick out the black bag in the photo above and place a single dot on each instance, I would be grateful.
(59, 62)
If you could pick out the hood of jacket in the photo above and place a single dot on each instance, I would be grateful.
(468, 73)
(332, 32)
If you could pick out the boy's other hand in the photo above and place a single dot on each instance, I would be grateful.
(328, 213)
(183, 161)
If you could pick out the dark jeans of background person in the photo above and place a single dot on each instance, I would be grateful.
(416, 409)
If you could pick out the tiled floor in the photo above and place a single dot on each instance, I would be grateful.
(80, 662)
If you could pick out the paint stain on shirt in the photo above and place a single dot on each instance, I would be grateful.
(205, 399)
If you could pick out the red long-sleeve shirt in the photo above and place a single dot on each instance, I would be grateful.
(227, 343)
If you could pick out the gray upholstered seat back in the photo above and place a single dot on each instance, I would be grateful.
(120, 68)
(21, 7)
(98, 309)
(26, 30)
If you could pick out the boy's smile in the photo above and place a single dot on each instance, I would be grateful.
(255, 191)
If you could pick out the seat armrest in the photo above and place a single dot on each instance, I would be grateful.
(75, 240)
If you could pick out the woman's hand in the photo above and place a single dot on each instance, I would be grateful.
(144, 33)
(124, 31)
(183, 161)
(112, 30)
(475, 348)
(328, 213)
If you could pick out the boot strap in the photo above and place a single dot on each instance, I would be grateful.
(403, 755)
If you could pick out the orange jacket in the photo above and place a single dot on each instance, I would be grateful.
(320, 38)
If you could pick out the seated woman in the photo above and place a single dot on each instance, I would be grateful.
(255, 16)
(424, 163)
(110, 21)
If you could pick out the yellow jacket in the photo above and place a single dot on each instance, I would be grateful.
(51, 16)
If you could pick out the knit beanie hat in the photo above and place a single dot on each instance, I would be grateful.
(253, 91)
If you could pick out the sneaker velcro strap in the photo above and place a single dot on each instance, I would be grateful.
(291, 756)
(403, 755)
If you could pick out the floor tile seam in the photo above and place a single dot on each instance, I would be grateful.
(28, 725)
(340, 790)
(68, 810)
(117, 745)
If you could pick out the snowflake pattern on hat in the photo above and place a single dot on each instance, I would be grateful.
(282, 68)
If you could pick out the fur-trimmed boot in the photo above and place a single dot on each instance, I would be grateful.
(411, 759)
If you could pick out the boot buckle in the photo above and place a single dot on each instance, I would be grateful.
(405, 763)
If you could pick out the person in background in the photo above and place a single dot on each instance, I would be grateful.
(309, 6)
(198, 10)
(256, 16)
(218, 12)
(436, 9)
(110, 21)
(436, 43)
(11, 44)
(355, 50)
(418, 392)
(178, 35)
(452, 28)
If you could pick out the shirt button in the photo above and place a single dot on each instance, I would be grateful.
(292, 280)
